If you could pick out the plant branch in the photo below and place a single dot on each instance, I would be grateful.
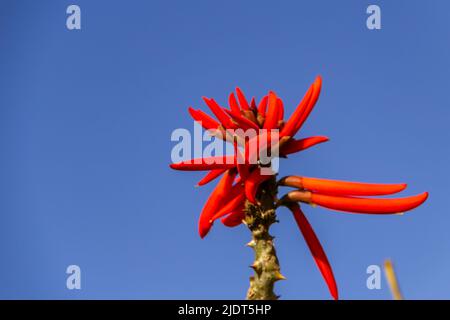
(266, 267)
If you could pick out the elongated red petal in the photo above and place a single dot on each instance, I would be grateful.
(271, 121)
(293, 146)
(202, 164)
(210, 176)
(280, 109)
(233, 104)
(263, 106)
(234, 218)
(243, 122)
(303, 110)
(371, 206)
(241, 163)
(215, 200)
(242, 100)
(311, 103)
(253, 104)
(341, 188)
(253, 182)
(316, 249)
(220, 114)
(205, 120)
(289, 127)
(235, 199)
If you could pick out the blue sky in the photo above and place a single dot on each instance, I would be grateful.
(86, 118)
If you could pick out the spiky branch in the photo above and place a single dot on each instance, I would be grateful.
(266, 268)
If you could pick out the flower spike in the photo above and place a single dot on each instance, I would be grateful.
(244, 195)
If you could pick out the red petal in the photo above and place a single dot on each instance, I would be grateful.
(303, 109)
(242, 165)
(202, 164)
(205, 120)
(242, 100)
(234, 218)
(341, 188)
(210, 176)
(253, 103)
(271, 121)
(220, 114)
(371, 206)
(214, 201)
(280, 111)
(294, 146)
(243, 122)
(311, 103)
(316, 249)
(263, 106)
(252, 183)
(235, 198)
(233, 104)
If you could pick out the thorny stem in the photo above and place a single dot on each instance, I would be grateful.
(266, 267)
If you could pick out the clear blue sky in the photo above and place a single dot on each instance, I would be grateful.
(86, 118)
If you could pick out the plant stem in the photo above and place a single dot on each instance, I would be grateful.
(266, 268)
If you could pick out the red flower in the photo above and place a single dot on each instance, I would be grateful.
(242, 173)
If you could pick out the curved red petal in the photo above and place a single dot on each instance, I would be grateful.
(215, 200)
(271, 121)
(370, 206)
(252, 184)
(234, 218)
(205, 120)
(233, 104)
(316, 249)
(242, 100)
(202, 164)
(235, 198)
(220, 114)
(262, 106)
(293, 146)
(210, 176)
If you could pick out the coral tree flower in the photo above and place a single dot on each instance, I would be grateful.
(241, 174)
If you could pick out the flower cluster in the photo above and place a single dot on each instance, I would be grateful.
(242, 174)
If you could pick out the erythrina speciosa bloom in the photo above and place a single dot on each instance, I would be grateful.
(247, 194)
